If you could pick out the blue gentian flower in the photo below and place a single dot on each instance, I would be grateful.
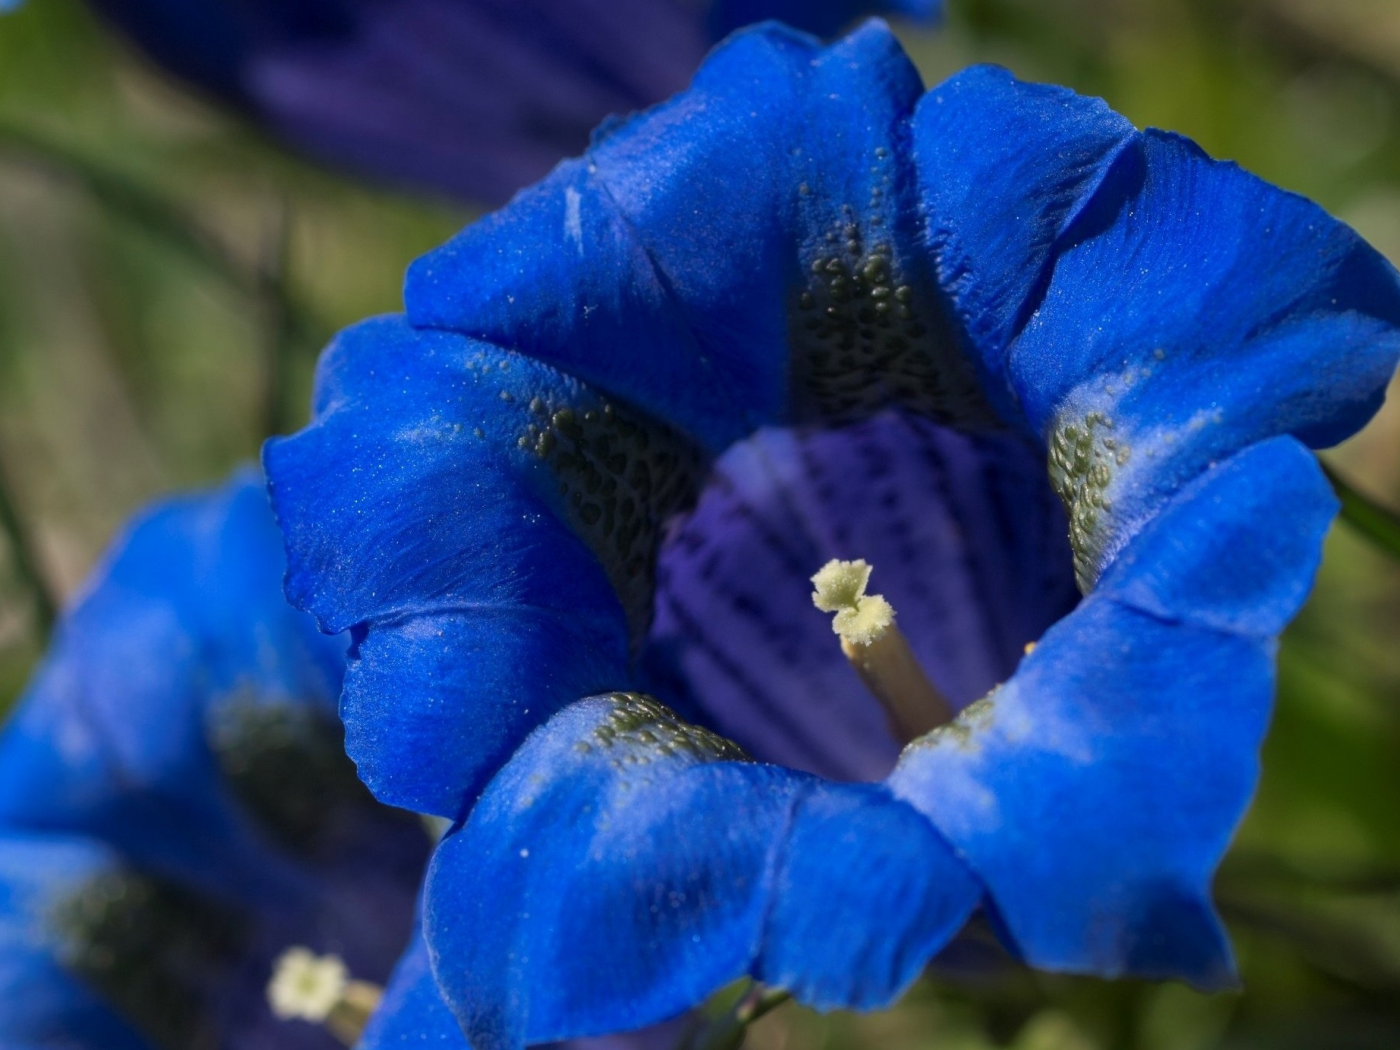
(1054, 377)
(474, 98)
(175, 803)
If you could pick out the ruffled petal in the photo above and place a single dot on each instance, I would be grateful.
(1096, 791)
(434, 705)
(699, 866)
(865, 894)
(1158, 312)
(452, 498)
(1003, 169)
(786, 161)
(968, 544)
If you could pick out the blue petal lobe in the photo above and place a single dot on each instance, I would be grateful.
(1222, 555)
(609, 275)
(434, 705)
(624, 865)
(553, 853)
(1149, 311)
(412, 1012)
(1096, 791)
(867, 892)
(546, 504)
(1003, 169)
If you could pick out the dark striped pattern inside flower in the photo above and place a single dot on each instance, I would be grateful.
(286, 764)
(620, 476)
(153, 951)
(967, 542)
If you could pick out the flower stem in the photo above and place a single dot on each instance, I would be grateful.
(26, 561)
(1376, 523)
(279, 333)
(727, 1032)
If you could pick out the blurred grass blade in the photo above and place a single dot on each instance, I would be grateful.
(155, 214)
(26, 562)
(279, 329)
(729, 1029)
(121, 195)
(1377, 523)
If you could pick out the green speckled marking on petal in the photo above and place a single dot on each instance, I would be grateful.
(972, 719)
(867, 333)
(621, 478)
(1085, 455)
(640, 729)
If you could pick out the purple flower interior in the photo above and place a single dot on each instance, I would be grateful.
(967, 541)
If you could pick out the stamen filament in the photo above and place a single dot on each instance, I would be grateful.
(878, 650)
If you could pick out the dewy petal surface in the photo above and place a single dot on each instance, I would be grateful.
(1096, 791)
(700, 866)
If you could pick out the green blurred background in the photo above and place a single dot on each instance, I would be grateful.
(167, 276)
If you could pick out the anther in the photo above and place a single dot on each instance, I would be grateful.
(878, 650)
(317, 988)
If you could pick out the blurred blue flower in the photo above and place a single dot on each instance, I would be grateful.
(175, 803)
(807, 311)
(474, 98)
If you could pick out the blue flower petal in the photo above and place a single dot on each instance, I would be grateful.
(1096, 791)
(783, 160)
(1151, 311)
(1004, 167)
(183, 627)
(412, 1012)
(701, 867)
(1222, 555)
(546, 503)
(411, 681)
(968, 544)
(865, 895)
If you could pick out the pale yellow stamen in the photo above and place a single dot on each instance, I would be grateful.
(878, 650)
(317, 988)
